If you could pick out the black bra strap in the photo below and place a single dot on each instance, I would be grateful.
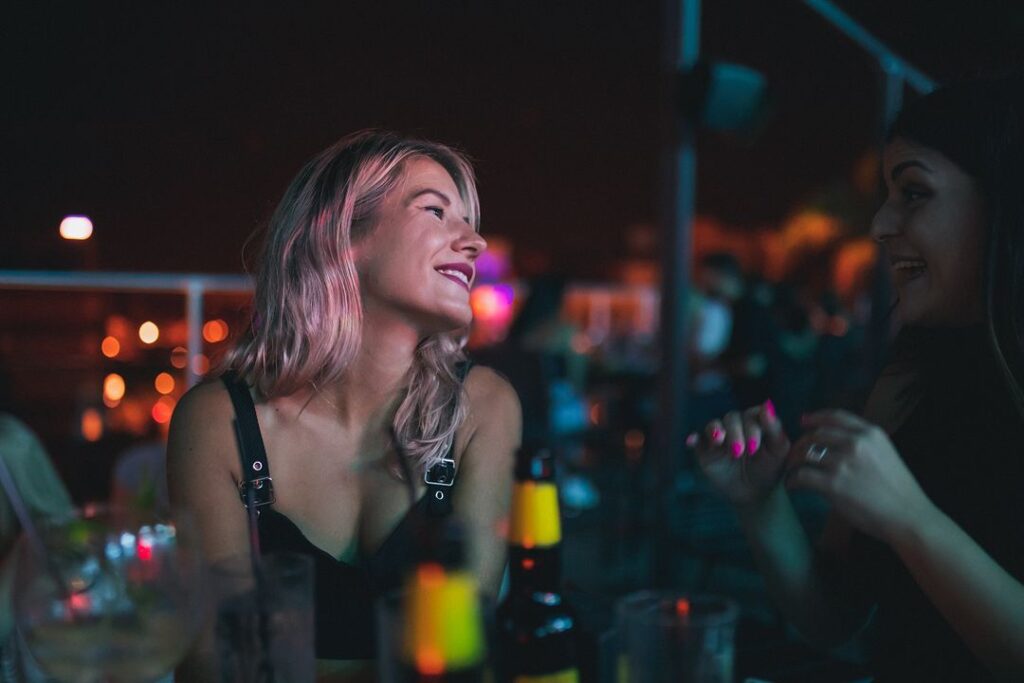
(255, 469)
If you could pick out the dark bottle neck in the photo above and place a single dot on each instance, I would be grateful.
(533, 570)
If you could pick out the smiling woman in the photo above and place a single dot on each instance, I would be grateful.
(924, 550)
(353, 372)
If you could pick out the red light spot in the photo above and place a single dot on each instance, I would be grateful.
(144, 549)
(682, 607)
(429, 662)
(79, 602)
(528, 563)
(430, 575)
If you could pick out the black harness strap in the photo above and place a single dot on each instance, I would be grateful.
(255, 470)
(440, 477)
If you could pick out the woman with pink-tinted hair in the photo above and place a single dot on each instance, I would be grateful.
(347, 416)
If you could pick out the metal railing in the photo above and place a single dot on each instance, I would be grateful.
(193, 286)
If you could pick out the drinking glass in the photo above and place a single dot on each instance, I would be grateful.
(668, 637)
(265, 631)
(109, 595)
(455, 630)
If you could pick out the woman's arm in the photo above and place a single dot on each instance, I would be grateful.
(870, 486)
(793, 572)
(980, 600)
(201, 472)
(483, 494)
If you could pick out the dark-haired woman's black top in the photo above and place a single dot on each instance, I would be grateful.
(964, 443)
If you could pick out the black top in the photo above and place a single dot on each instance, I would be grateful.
(962, 443)
(345, 592)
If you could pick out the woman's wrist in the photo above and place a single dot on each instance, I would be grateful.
(755, 509)
(916, 528)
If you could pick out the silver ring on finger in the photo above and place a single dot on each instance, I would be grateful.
(816, 453)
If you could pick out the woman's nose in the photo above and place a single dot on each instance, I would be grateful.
(885, 224)
(470, 242)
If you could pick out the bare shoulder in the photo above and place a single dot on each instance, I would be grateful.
(491, 396)
(201, 428)
(494, 415)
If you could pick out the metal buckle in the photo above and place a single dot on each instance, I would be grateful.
(441, 474)
(264, 495)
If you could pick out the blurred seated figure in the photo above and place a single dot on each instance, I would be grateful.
(45, 496)
(540, 360)
(140, 476)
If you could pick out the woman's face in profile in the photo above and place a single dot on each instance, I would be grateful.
(417, 264)
(931, 227)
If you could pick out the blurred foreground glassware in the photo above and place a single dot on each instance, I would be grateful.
(433, 633)
(265, 633)
(112, 595)
(671, 637)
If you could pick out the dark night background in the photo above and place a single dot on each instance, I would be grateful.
(176, 128)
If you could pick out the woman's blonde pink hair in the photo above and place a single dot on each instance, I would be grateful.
(307, 315)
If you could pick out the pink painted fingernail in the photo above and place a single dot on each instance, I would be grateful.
(752, 446)
(717, 436)
(769, 408)
(737, 449)
(691, 440)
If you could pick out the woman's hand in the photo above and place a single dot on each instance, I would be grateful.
(743, 453)
(855, 466)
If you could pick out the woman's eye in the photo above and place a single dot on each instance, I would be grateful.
(911, 194)
(437, 211)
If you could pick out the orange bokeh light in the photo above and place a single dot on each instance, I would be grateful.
(113, 387)
(92, 425)
(164, 383)
(110, 347)
(215, 331)
(163, 409)
(179, 357)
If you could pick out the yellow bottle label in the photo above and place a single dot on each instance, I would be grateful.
(571, 675)
(534, 519)
(443, 624)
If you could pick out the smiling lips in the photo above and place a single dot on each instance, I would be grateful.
(461, 273)
(906, 269)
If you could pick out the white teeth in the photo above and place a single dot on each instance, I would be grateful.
(457, 273)
(908, 265)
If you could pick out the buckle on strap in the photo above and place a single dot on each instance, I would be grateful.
(263, 491)
(441, 473)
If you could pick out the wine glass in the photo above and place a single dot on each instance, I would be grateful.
(109, 595)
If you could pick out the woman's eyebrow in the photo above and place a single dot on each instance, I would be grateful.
(901, 167)
(429, 190)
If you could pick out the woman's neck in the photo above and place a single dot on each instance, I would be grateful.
(369, 391)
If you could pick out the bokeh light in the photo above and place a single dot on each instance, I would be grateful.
(179, 357)
(149, 332)
(113, 387)
(215, 331)
(200, 364)
(164, 383)
(163, 409)
(76, 228)
(92, 425)
(110, 347)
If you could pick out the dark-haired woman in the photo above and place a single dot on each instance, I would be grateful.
(924, 550)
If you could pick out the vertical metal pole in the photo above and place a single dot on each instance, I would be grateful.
(194, 315)
(891, 79)
(679, 205)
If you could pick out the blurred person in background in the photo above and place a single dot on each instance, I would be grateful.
(44, 496)
(924, 550)
(354, 362)
(139, 478)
